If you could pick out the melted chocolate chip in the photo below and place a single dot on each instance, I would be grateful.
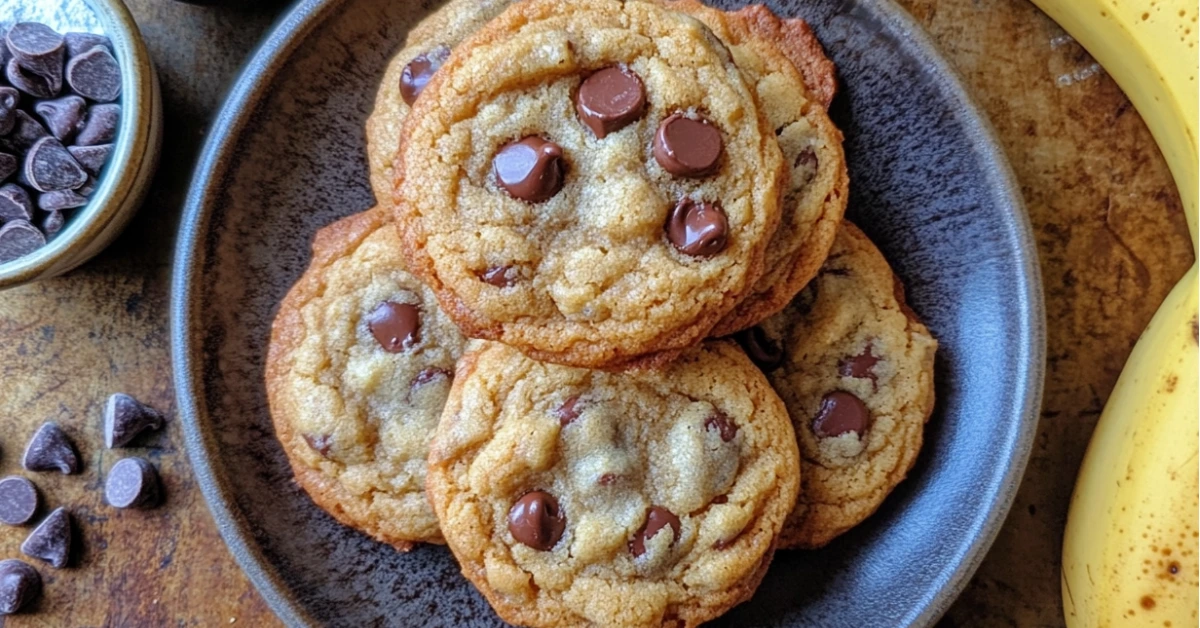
(20, 585)
(808, 159)
(841, 412)
(536, 520)
(721, 499)
(417, 73)
(428, 375)
(530, 169)
(688, 148)
(657, 519)
(320, 443)
(395, 325)
(499, 276)
(698, 229)
(568, 411)
(608, 479)
(727, 429)
(860, 366)
(761, 349)
(610, 99)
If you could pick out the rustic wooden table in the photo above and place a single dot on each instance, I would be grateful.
(1110, 231)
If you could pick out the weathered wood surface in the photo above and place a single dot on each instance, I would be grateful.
(1110, 232)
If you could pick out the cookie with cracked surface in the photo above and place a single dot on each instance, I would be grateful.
(358, 370)
(592, 183)
(771, 51)
(855, 367)
(582, 497)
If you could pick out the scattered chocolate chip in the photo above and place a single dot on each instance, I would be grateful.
(20, 585)
(568, 411)
(52, 223)
(429, 375)
(19, 238)
(26, 130)
(59, 200)
(63, 116)
(688, 148)
(724, 426)
(37, 47)
(51, 540)
(49, 167)
(610, 99)
(9, 99)
(395, 325)
(132, 483)
(91, 158)
(499, 276)
(698, 229)
(79, 43)
(100, 126)
(95, 75)
(8, 165)
(35, 85)
(417, 73)
(15, 203)
(536, 520)
(657, 519)
(18, 500)
(841, 412)
(762, 350)
(320, 443)
(125, 418)
(530, 169)
(51, 450)
(860, 366)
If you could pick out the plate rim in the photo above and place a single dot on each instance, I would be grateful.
(239, 106)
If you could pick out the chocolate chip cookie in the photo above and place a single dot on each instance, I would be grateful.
(770, 52)
(579, 497)
(589, 182)
(855, 367)
(358, 370)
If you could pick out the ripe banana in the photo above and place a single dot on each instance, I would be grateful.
(1130, 548)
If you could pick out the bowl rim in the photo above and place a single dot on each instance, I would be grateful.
(293, 27)
(115, 197)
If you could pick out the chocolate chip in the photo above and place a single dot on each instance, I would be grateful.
(807, 159)
(428, 375)
(724, 426)
(320, 443)
(8, 165)
(63, 116)
(100, 126)
(657, 519)
(688, 148)
(499, 276)
(31, 83)
(49, 167)
(125, 418)
(610, 99)
(52, 223)
(530, 169)
(18, 500)
(19, 238)
(762, 350)
(37, 47)
(568, 411)
(721, 499)
(95, 74)
(26, 130)
(698, 229)
(417, 73)
(88, 187)
(9, 99)
(608, 479)
(536, 520)
(841, 413)
(51, 540)
(395, 325)
(15, 203)
(59, 200)
(132, 483)
(51, 450)
(860, 366)
(20, 585)
(91, 158)
(79, 43)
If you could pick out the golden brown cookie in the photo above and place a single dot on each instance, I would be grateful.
(589, 237)
(855, 367)
(358, 370)
(577, 497)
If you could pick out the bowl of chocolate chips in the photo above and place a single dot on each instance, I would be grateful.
(80, 128)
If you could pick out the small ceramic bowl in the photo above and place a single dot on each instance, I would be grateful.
(126, 176)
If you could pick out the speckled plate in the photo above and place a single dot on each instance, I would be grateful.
(929, 185)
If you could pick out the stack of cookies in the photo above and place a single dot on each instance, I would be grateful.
(526, 351)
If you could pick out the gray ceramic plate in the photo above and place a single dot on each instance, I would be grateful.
(928, 184)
